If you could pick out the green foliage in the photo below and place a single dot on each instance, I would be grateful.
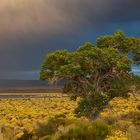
(113, 41)
(121, 42)
(118, 87)
(85, 67)
(104, 68)
(49, 67)
(91, 105)
(26, 136)
(50, 127)
(62, 129)
(94, 131)
(84, 109)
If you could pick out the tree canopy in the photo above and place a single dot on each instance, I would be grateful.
(126, 45)
(92, 70)
(88, 66)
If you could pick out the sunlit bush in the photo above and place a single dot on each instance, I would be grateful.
(63, 129)
(93, 131)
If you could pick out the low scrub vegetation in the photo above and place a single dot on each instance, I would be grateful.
(104, 94)
(54, 119)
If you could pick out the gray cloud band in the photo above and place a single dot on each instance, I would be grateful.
(20, 17)
(24, 24)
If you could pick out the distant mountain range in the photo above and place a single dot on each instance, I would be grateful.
(27, 84)
(38, 84)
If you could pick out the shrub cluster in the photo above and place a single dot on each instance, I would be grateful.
(62, 129)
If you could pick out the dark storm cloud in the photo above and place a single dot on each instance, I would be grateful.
(31, 28)
(37, 17)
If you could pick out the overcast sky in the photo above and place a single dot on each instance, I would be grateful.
(29, 29)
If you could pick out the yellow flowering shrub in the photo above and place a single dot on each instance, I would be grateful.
(123, 115)
(18, 115)
(120, 106)
(117, 135)
(25, 113)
